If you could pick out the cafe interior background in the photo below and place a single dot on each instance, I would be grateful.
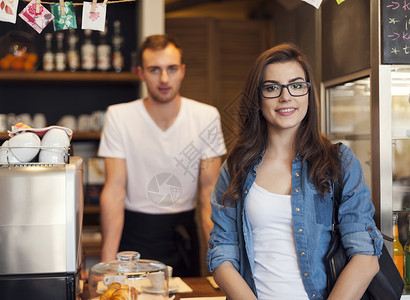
(364, 90)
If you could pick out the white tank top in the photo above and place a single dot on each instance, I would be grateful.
(277, 274)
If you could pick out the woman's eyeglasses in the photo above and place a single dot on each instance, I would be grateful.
(295, 89)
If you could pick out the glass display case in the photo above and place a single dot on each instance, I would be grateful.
(348, 117)
(400, 90)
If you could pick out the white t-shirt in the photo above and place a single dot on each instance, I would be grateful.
(277, 273)
(162, 166)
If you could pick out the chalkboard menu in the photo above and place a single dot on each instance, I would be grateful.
(395, 31)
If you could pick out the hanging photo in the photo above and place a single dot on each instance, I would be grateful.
(8, 10)
(315, 3)
(38, 20)
(94, 20)
(67, 21)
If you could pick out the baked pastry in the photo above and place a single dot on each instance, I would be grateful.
(118, 292)
(107, 294)
(115, 286)
(125, 294)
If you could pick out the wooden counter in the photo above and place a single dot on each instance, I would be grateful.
(200, 285)
(201, 288)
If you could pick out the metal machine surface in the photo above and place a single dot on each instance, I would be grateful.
(40, 230)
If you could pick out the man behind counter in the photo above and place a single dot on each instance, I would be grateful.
(157, 150)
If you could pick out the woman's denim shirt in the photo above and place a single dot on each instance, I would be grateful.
(231, 237)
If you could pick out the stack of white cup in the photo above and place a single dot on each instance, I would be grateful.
(20, 148)
(54, 146)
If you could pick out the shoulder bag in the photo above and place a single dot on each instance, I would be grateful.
(387, 284)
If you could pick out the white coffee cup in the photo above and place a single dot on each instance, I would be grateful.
(25, 118)
(157, 280)
(54, 146)
(25, 146)
(114, 278)
(170, 269)
(97, 120)
(3, 122)
(39, 120)
(84, 123)
(6, 156)
(51, 156)
(68, 121)
(55, 140)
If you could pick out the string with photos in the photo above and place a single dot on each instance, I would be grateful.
(78, 4)
(62, 13)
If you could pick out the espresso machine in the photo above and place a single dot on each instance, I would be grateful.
(41, 211)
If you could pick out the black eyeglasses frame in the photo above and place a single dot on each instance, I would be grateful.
(287, 87)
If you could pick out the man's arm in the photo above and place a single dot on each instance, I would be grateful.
(112, 206)
(207, 179)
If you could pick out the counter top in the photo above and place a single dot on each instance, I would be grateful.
(201, 288)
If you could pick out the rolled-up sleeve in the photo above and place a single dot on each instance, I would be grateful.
(223, 240)
(356, 224)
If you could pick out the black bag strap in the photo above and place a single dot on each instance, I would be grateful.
(337, 196)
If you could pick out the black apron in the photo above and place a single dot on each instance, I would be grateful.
(169, 238)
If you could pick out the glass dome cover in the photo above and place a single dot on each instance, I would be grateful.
(129, 277)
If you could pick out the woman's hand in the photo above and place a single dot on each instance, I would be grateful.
(355, 278)
(232, 283)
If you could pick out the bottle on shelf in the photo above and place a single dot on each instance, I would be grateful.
(407, 260)
(73, 58)
(48, 56)
(117, 42)
(397, 247)
(88, 52)
(103, 53)
(61, 59)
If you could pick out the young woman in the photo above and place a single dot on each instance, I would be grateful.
(272, 203)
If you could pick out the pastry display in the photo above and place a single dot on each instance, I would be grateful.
(129, 278)
(116, 291)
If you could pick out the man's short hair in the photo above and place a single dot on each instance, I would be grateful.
(157, 42)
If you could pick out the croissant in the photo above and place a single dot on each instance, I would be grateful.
(125, 294)
(115, 286)
(107, 294)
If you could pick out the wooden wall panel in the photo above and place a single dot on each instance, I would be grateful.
(218, 54)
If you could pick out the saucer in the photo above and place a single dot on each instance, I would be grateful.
(152, 290)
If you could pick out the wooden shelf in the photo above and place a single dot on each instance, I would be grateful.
(86, 135)
(91, 209)
(4, 135)
(96, 77)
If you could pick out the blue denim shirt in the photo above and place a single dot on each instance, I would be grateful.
(231, 237)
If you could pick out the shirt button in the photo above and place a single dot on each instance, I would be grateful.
(313, 295)
(245, 192)
(254, 173)
(297, 209)
(302, 253)
(296, 190)
(296, 159)
(297, 174)
(305, 274)
(300, 230)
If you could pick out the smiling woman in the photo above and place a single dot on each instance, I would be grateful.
(279, 137)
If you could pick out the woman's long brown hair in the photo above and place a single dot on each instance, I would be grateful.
(251, 138)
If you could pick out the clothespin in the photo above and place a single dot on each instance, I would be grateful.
(105, 2)
(93, 5)
(62, 8)
(37, 6)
